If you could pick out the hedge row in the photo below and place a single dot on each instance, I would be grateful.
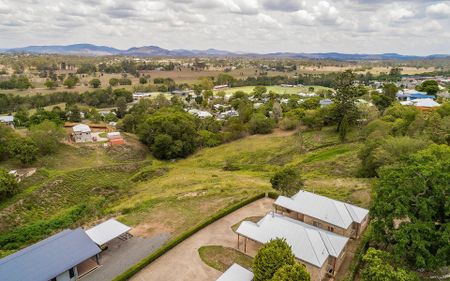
(174, 242)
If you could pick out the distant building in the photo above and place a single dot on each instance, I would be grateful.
(228, 114)
(421, 103)
(182, 92)
(220, 87)
(325, 102)
(82, 133)
(8, 120)
(407, 95)
(65, 256)
(200, 113)
(141, 95)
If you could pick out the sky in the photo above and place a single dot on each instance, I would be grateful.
(419, 27)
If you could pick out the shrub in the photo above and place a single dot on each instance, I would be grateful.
(260, 124)
(295, 272)
(271, 257)
(287, 180)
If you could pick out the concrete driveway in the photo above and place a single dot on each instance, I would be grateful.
(121, 255)
(183, 262)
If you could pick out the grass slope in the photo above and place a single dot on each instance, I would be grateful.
(80, 185)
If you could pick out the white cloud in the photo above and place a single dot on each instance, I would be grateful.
(439, 9)
(364, 26)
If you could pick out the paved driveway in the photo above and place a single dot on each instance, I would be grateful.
(183, 262)
(121, 255)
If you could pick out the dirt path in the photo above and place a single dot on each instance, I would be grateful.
(183, 262)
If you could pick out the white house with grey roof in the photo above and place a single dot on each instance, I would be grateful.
(82, 133)
(65, 256)
(320, 251)
(323, 212)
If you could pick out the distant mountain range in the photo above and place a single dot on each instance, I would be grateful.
(155, 51)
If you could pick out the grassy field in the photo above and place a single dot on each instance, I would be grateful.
(81, 185)
(276, 89)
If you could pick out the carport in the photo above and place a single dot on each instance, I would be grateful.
(106, 231)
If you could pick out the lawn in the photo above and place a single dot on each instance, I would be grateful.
(221, 258)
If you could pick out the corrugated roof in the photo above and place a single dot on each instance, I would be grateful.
(7, 118)
(107, 231)
(323, 208)
(81, 128)
(48, 258)
(310, 244)
(236, 273)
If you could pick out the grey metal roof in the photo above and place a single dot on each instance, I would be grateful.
(48, 258)
(310, 244)
(335, 212)
(236, 273)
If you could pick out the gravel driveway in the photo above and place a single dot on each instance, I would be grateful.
(183, 262)
(120, 255)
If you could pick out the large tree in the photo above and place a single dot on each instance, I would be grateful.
(287, 180)
(271, 257)
(347, 92)
(46, 136)
(429, 86)
(169, 133)
(411, 208)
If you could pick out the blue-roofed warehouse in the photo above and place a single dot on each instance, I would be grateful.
(62, 257)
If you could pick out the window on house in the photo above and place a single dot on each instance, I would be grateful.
(53, 279)
(330, 228)
(71, 273)
(317, 224)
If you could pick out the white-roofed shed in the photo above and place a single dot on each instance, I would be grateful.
(107, 231)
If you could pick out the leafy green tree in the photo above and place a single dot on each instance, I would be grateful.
(71, 81)
(41, 115)
(271, 257)
(411, 207)
(95, 83)
(380, 150)
(288, 272)
(23, 149)
(209, 139)
(143, 80)
(169, 133)
(113, 82)
(73, 113)
(438, 128)
(287, 180)
(260, 124)
(429, 86)
(51, 84)
(121, 104)
(259, 91)
(46, 136)
(313, 119)
(386, 98)
(8, 185)
(21, 118)
(347, 91)
(225, 79)
(380, 266)
(206, 83)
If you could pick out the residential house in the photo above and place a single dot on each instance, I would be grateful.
(320, 251)
(220, 87)
(407, 95)
(236, 273)
(329, 214)
(228, 114)
(8, 120)
(65, 256)
(200, 113)
(421, 103)
(325, 102)
(82, 133)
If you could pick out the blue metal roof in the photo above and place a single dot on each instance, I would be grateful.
(48, 258)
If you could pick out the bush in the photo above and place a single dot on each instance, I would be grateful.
(287, 180)
(313, 119)
(46, 136)
(270, 258)
(260, 124)
(295, 272)
(8, 185)
(288, 123)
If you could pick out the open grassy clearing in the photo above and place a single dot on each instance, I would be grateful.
(221, 258)
(276, 89)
